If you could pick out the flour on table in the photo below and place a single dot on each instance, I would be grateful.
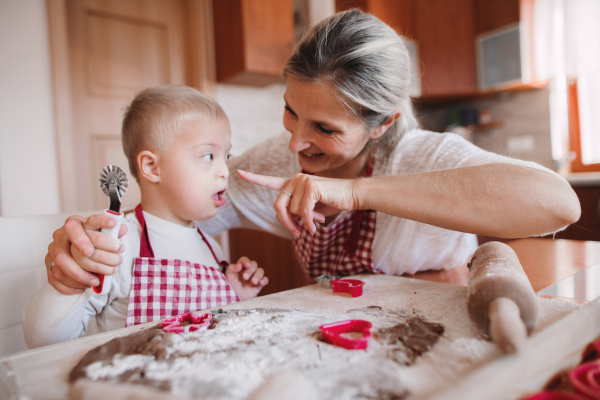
(409, 355)
(247, 346)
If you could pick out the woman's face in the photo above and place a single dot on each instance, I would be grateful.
(327, 136)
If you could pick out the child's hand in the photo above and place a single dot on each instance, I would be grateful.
(246, 278)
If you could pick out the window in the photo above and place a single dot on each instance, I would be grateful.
(567, 46)
(584, 123)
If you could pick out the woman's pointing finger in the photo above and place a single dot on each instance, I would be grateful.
(270, 182)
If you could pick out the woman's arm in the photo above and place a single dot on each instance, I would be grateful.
(501, 200)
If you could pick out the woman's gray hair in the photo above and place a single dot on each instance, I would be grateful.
(367, 63)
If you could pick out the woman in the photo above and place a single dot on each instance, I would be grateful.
(392, 198)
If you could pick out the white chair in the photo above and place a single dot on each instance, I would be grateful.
(23, 245)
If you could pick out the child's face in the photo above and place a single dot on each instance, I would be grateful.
(193, 171)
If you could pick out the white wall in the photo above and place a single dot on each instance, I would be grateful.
(526, 117)
(255, 114)
(28, 166)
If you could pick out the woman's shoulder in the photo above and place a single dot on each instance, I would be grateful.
(420, 150)
(425, 139)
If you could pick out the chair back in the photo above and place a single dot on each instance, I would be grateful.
(23, 246)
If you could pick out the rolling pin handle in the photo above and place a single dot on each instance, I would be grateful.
(507, 329)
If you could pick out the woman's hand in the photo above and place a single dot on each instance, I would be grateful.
(310, 198)
(79, 251)
(499, 200)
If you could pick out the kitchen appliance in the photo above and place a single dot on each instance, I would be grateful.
(503, 58)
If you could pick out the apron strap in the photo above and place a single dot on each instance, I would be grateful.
(223, 264)
(145, 246)
(357, 217)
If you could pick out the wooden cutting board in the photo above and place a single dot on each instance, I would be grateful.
(42, 373)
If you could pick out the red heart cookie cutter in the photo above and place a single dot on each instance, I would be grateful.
(555, 396)
(352, 286)
(586, 379)
(194, 323)
(332, 333)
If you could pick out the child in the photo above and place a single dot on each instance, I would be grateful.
(177, 142)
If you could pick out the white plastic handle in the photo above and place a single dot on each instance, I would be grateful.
(105, 281)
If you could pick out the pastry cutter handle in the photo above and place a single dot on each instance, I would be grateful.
(105, 281)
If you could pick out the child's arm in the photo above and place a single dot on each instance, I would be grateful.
(246, 278)
(51, 317)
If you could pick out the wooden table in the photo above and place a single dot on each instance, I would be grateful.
(41, 373)
(545, 262)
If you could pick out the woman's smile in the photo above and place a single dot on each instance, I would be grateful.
(311, 157)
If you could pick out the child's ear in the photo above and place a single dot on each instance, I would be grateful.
(379, 131)
(148, 166)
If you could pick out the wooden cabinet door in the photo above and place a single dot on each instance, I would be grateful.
(253, 40)
(445, 32)
(490, 15)
(116, 49)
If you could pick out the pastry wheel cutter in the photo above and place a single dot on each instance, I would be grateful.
(114, 184)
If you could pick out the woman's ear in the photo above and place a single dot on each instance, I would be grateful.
(379, 131)
(148, 166)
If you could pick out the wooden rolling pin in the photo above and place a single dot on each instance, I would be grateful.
(500, 299)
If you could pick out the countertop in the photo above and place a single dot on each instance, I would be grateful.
(41, 373)
(545, 261)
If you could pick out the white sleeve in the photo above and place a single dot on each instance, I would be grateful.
(249, 205)
(51, 317)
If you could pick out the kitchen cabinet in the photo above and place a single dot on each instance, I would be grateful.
(490, 15)
(445, 33)
(588, 226)
(253, 40)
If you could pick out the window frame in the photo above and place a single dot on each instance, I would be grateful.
(575, 133)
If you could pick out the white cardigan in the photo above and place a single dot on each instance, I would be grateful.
(400, 245)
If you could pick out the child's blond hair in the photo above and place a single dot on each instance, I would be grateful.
(155, 117)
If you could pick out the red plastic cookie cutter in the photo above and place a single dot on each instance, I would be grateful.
(555, 396)
(332, 333)
(352, 286)
(185, 323)
(586, 379)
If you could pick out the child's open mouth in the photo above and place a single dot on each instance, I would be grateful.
(218, 198)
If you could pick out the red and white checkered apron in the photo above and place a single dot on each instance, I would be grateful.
(163, 288)
(342, 248)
